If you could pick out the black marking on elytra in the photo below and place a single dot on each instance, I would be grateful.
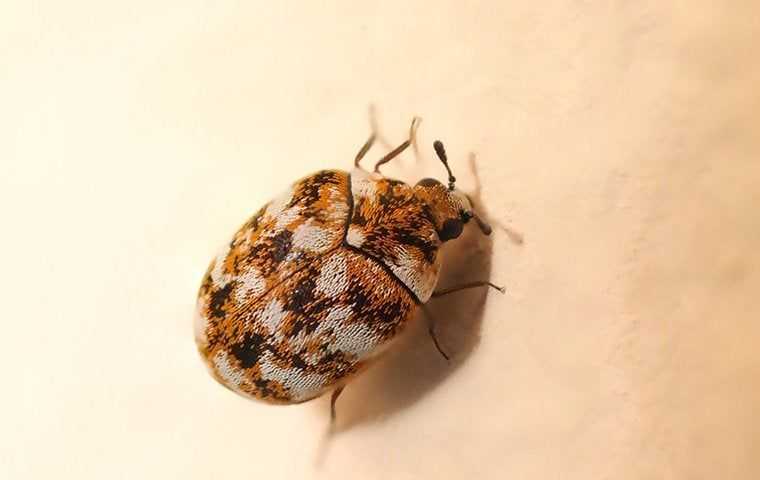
(356, 296)
(281, 244)
(253, 223)
(266, 389)
(302, 295)
(299, 270)
(309, 190)
(310, 325)
(298, 325)
(218, 299)
(391, 312)
(334, 361)
(298, 362)
(262, 386)
(384, 317)
(306, 324)
(249, 350)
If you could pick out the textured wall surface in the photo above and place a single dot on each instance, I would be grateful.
(621, 140)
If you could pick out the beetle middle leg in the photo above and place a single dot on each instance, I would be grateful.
(465, 286)
(431, 330)
(431, 320)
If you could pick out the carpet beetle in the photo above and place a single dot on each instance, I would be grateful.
(311, 289)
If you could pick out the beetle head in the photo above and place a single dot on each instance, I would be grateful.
(451, 208)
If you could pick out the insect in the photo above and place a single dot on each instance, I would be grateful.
(315, 286)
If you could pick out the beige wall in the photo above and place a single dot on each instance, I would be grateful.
(621, 139)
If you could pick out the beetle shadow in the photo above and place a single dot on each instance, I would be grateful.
(413, 368)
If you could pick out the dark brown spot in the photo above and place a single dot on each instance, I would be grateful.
(249, 350)
(281, 244)
(309, 191)
(298, 362)
(218, 299)
(302, 295)
(356, 296)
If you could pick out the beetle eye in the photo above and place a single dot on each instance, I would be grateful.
(452, 228)
(428, 182)
(466, 216)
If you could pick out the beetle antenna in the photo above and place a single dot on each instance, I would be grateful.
(439, 150)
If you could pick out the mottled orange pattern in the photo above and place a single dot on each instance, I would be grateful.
(309, 333)
(316, 284)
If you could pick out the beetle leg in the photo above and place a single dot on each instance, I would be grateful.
(365, 148)
(333, 398)
(465, 286)
(397, 151)
(431, 331)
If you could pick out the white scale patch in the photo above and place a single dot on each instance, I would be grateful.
(357, 339)
(285, 218)
(335, 317)
(352, 338)
(333, 277)
(251, 285)
(200, 322)
(272, 316)
(299, 384)
(339, 207)
(232, 376)
(355, 236)
(218, 275)
(333, 321)
(311, 238)
(363, 183)
(277, 205)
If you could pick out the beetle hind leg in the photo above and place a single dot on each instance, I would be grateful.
(365, 148)
(335, 394)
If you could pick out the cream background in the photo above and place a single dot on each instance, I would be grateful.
(621, 139)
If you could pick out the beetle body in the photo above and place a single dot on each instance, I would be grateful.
(319, 281)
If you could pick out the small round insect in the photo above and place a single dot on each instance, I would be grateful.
(315, 286)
